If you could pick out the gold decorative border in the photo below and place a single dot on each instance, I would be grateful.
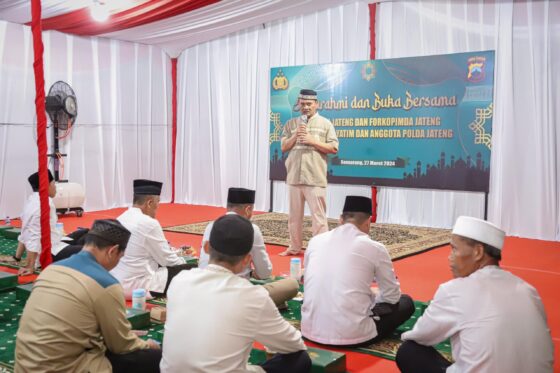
(477, 126)
(275, 120)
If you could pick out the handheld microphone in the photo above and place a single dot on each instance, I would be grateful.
(302, 122)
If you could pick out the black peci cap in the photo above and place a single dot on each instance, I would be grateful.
(232, 235)
(357, 204)
(241, 196)
(147, 187)
(34, 180)
(112, 231)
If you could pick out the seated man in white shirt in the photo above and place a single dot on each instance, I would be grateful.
(30, 237)
(149, 262)
(234, 313)
(339, 306)
(496, 321)
(241, 201)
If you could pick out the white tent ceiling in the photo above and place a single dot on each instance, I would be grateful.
(174, 34)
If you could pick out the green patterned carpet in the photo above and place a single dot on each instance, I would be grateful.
(10, 313)
(386, 348)
(7, 249)
(11, 310)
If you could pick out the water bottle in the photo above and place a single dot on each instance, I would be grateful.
(139, 299)
(295, 268)
(60, 228)
(7, 221)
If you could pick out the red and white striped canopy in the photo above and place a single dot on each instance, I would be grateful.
(173, 25)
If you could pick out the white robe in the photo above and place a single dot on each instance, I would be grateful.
(147, 254)
(31, 226)
(496, 322)
(340, 266)
(213, 318)
(259, 256)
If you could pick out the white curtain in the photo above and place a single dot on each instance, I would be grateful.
(223, 101)
(123, 126)
(525, 165)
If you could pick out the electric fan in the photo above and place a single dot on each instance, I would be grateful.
(62, 107)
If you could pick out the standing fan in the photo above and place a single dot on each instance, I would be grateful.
(62, 107)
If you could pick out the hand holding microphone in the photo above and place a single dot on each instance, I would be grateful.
(302, 129)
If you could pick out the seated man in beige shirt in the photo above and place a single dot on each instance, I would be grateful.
(75, 319)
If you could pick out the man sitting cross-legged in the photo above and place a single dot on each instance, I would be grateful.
(339, 307)
(30, 237)
(495, 320)
(241, 201)
(75, 318)
(149, 263)
(231, 313)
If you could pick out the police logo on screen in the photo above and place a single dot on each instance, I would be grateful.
(368, 71)
(280, 82)
(476, 69)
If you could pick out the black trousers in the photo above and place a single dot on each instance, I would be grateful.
(388, 322)
(74, 246)
(139, 361)
(413, 357)
(388, 317)
(67, 252)
(296, 362)
(172, 272)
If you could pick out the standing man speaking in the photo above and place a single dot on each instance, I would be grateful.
(308, 138)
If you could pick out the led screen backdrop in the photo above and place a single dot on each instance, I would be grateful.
(418, 122)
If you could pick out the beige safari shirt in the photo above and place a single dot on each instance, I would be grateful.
(305, 164)
(75, 312)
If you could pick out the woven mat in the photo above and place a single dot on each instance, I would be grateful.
(400, 240)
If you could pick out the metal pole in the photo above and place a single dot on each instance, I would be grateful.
(485, 205)
(271, 195)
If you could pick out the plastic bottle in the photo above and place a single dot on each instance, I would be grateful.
(295, 268)
(60, 228)
(7, 221)
(139, 299)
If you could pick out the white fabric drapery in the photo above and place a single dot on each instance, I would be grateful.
(123, 126)
(174, 34)
(525, 165)
(185, 30)
(223, 102)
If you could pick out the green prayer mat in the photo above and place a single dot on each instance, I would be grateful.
(10, 312)
(8, 248)
(386, 348)
(256, 357)
(158, 301)
(163, 301)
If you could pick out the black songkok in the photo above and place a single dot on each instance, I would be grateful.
(357, 204)
(112, 231)
(147, 187)
(307, 94)
(34, 180)
(232, 235)
(241, 196)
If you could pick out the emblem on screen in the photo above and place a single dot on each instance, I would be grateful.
(476, 66)
(280, 82)
(368, 71)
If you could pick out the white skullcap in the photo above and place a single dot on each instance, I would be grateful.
(479, 230)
